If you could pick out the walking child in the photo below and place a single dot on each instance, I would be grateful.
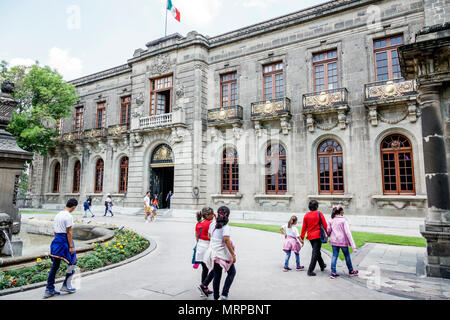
(340, 239)
(155, 207)
(204, 218)
(221, 253)
(293, 242)
(62, 248)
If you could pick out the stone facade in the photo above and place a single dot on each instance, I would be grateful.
(359, 116)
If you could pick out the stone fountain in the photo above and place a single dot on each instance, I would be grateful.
(12, 159)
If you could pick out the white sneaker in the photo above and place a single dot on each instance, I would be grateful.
(146, 221)
(223, 298)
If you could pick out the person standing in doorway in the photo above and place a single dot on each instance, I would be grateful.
(147, 206)
(311, 226)
(155, 207)
(62, 248)
(169, 196)
(108, 205)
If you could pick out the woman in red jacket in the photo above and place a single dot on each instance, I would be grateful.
(311, 226)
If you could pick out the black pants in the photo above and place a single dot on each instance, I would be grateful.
(206, 277)
(316, 245)
(168, 204)
(228, 281)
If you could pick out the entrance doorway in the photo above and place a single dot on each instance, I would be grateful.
(162, 174)
(161, 182)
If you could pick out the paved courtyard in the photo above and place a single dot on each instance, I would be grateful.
(166, 273)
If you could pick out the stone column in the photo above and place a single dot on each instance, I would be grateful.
(437, 224)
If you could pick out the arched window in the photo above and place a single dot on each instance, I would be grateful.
(99, 168)
(56, 176)
(123, 175)
(76, 177)
(397, 165)
(230, 171)
(276, 174)
(330, 166)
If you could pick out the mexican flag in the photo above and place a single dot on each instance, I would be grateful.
(175, 12)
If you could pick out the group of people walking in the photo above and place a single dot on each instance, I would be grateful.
(315, 226)
(87, 205)
(214, 251)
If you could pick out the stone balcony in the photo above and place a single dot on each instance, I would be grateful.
(326, 109)
(225, 116)
(164, 120)
(275, 109)
(391, 101)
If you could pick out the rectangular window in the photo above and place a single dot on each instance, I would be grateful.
(273, 81)
(228, 89)
(100, 115)
(387, 66)
(161, 96)
(325, 70)
(78, 119)
(125, 109)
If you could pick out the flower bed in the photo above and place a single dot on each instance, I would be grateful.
(125, 245)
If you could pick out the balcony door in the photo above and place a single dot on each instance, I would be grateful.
(161, 95)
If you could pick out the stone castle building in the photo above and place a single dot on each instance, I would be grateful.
(310, 105)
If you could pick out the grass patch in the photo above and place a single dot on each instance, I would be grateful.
(125, 245)
(360, 238)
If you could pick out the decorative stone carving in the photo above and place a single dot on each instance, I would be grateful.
(177, 135)
(258, 129)
(310, 122)
(161, 64)
(237, 131)
(285, 125)
(137, 140)
(214, 134)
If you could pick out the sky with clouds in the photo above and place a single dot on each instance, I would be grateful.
(80, 37)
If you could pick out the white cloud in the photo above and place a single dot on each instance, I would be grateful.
(198, 12)
(255, 4)
(21, 62)
(69, 67)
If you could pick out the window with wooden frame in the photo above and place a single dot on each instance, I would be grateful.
(228, 89)
(330, 167)
(123, 175)
(76, 177)
(56, 177)
(161, 96)
(273, 81)
(230, 171)
(125, 109)
(387, 66)
(276, 173)
(325, 70)
(397, 166)
(78, 119)
(99, 168)
(101, 112)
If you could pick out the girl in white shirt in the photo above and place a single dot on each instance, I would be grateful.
(293, 242)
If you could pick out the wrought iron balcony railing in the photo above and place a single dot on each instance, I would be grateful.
(225, 115)
(271, 108)
(328, 99)
(389, 89)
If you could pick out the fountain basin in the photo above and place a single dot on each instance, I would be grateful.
(84, 236)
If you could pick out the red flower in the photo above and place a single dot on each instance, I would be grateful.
(14, 282)
(6, 271)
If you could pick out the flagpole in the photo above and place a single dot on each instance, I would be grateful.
(167, 3)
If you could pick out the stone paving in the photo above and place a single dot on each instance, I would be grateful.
(398, 270)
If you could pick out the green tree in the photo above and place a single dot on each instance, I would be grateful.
(44, 98)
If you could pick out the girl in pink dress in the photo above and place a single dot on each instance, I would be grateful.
(293, 242)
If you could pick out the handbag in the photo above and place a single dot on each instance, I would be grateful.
(195, 248)
(323, 234)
